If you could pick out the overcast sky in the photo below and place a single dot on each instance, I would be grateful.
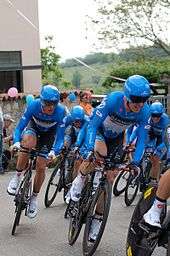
(65, 20)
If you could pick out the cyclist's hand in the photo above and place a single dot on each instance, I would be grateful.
(75, 150)
(129, 147)
(51, 156)
(15, 146)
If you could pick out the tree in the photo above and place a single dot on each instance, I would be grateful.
(133, 22)
(76, 79)
(49, 61)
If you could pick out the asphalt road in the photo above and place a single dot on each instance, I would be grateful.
(46, 235)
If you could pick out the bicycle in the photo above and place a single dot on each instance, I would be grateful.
(82, 212)
(24, 191)
(60, 178)
(140, 182)
(141, 240)
(120, 183)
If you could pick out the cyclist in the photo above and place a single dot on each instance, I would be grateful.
(41, 127)
(156, 139)
(76, 124)
(152, 216)
(117, 112)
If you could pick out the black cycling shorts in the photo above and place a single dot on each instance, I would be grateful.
(45, 139)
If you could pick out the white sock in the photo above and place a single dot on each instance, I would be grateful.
(158, 206)
(79, 177)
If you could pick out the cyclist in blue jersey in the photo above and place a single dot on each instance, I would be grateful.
(117, 112)
(76, 124)
(156, 139)
(152, 217)
(42, 127)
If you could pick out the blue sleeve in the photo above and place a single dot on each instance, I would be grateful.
(67, 134)
(140, 144)
(23, 122)
(99, 115)
(81, 135)
(59, 138)
(142, 131)
(131, 134)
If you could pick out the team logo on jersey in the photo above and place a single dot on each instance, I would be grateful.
(98, 113)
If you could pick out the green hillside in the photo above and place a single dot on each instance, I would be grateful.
(90, 78)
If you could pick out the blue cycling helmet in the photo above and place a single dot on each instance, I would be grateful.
(77, 113)
(49, 93)
(156, 109)
(72, 97)
(137, 89)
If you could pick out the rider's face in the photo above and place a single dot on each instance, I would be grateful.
(135, 107)
(77, 123)
(155, 119)
(48, 109)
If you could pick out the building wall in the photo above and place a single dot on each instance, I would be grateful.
(18, 35)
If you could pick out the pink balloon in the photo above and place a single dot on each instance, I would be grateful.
(12, 92)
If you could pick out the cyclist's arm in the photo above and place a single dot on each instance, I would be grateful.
(59, 138)
(131, 134)
(142, 132)
(81, 135)
(23, 122)
(67, 135)
(140, 144)
(99, 115)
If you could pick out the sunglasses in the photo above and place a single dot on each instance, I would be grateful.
(138, 99)
(158, 115)
(47, 103)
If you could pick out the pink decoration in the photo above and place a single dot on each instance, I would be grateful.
(12, 92)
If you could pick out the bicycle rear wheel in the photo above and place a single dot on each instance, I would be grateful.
(53, 186)
(104, 192)
(120, 183)
(131, 190)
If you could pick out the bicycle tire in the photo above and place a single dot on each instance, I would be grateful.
(74, 227)
(116, 191)
(48, 201)
(135, 233)
(168, 248)
(90, 248)
(128, 198)
(21, 204)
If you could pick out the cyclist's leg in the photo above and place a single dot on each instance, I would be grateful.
(28, 142)
(155, 170)
(45, 142)
(84, 168)
(152, 217)
(111, 174)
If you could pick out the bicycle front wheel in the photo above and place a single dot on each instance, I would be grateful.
(131, 190)
(21, 200)
(102, 197)
(75, 222)
(120, 183)
(53, 186)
